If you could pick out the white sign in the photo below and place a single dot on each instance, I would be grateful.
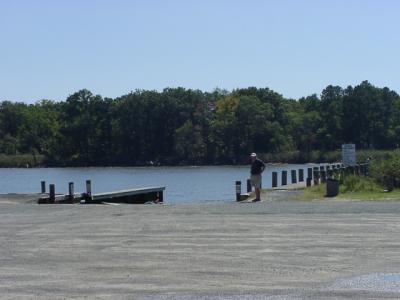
(349, 154)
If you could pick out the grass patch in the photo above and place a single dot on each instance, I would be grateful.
(354, 184)
(375, 195)
(315, 192)
(351, 187)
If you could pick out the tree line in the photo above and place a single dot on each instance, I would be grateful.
(184, 126)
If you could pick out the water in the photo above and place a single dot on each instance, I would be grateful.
(183, 184)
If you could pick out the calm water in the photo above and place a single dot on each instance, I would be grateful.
(183, 184)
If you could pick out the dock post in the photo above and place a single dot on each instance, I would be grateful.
(323, 176)
(284, 177)
(274, 179)
(238, 185)
(43, 186)
(88, 188)
(71, 192)
(316, 177)
(248, 185)
(309, 173)
(301, 175)
(294, 177)
(52, 190)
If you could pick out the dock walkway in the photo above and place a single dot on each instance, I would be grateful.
(129, 196)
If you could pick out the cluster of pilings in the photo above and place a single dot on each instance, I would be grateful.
(335, 171)
(71, 197)
(315, 176)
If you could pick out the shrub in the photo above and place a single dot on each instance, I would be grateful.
(387, 171)
(359, 184)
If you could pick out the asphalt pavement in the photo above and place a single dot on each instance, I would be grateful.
(276, 249)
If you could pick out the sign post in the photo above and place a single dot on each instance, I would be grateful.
(349, 154)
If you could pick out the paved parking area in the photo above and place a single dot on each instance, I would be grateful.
(328, 249)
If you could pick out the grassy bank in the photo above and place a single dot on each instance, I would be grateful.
(21, 160)
(352, 187)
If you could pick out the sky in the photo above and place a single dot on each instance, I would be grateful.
(50, 49)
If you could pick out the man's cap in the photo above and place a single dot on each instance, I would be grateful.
(253, 155)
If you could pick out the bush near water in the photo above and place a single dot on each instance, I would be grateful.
(180, 126)
(386, 170)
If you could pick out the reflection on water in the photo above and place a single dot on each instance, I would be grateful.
(183, 184)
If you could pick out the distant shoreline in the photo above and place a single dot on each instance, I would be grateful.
(163, 166)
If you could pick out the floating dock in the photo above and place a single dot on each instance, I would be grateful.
(130, 196)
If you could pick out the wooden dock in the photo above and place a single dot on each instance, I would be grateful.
(131, 196)
(134, 196)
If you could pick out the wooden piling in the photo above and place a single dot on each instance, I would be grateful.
(43, 186)
(323, 176)
(52, 190)
(89, 188)
(238, 185)
(309, 173)
(248, 185)
(293, 175)
(284, 178)
(316, 177)
(71, 192)
(301, 175)
(274, 179)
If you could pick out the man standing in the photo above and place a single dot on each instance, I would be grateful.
(257, 167)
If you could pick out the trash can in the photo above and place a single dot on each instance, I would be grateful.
(332, 187)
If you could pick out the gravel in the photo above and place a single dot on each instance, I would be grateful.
(276, 249)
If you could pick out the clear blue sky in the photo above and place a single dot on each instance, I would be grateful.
(50, 49)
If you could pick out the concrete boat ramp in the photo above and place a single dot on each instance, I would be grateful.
(276, 249)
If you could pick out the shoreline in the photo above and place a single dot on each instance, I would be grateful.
(271, 164)
(17, 198)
